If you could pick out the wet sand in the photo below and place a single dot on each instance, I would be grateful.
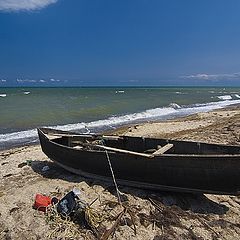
(176, 215)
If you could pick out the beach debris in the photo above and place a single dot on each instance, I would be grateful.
(167, 216)
(4, 163)
(45, 168)
(4, 230)
(111, 231)
(68, 215)
(76, 191)
(68, 204)
(2, 193)
(42, 202)
(56, 192)
(20, 165)
(29, 162)
(8, 175)
(14, 209)
(26, 163)
(121, 219)
(71, 217)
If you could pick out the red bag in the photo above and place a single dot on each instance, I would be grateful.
(41, 202)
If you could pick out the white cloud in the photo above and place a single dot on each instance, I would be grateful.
(205, 76)
(54, 80)
(133, 80)
(20, 5)
(3, 80)
(26, 80)
(42, 81)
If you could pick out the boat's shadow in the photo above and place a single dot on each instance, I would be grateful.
(197, 203)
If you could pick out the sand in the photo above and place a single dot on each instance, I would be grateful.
(176, 216)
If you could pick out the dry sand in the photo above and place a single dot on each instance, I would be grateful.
(178, 215)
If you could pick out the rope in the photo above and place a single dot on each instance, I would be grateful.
(60, 227)
(113, 176)
(92, 217)
(114, 179)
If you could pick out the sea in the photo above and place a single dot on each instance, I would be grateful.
(97, 109)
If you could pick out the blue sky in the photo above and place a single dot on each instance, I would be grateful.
(119, 42)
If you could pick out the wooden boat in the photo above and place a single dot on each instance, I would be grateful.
(149, 163)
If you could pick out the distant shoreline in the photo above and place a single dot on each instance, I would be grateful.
(130, 129)
(132, 86)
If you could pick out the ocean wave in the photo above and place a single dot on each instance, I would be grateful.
(114, 121)
(225, 97)
(174, 105)
(3, 94)
(109, 122)
(236, 95)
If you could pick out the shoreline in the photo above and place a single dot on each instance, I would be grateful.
(183, 216)
(130, 129)
(189, 127)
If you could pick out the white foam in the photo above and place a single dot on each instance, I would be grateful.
(26, 93)
(3, 94)
(17, 135)
(236, 95)
(225, 97)
(150, 114)
(112, 121)
(120, 91)
(174, 105)
(207, 107)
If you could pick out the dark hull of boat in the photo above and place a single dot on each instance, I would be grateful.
(202, 173)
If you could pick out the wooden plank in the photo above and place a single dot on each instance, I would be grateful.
(92, 145)
(69, 135)
(78, 147)
(163, 149)
(111, 137)
(122, 151)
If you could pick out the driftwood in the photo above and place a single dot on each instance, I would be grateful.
(113, 228)
(110, 231)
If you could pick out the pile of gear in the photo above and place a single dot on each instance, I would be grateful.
(72, 218)
(62, 215)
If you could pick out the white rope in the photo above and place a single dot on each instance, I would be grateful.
(115, 183)
(114, 179)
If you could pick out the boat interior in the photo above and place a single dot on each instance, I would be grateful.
(138, 145)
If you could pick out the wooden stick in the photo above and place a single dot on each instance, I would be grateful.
(163, 149)
(92, 145)
(110, 231)
(123, 151)
(111, 137)
(158, 152)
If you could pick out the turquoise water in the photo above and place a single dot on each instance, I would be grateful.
(94, 109)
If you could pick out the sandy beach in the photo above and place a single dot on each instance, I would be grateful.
(176, 215)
